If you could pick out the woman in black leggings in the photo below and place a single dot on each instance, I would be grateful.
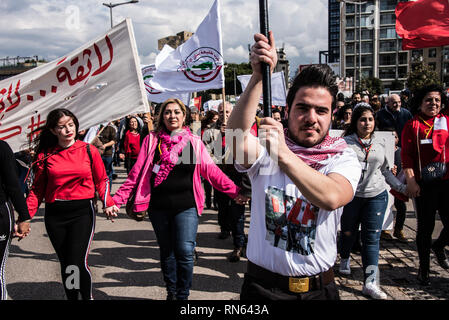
(67, 173)
(10, 190)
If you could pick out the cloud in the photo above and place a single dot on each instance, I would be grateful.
(53, 28)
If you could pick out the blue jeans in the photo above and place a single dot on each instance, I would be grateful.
(369, 212)
(176, 236)
(107, 161)
(231, 217)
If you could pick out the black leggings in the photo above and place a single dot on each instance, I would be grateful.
(433, 197)
(6, 226)
(70, 226)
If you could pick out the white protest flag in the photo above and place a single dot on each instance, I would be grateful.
(197, 64)
(160, 96)
(99, 82)
(278, 88)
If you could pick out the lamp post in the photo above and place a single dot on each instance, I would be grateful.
(112, 5)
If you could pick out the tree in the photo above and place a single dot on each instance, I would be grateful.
(240, 69)
(422, 75)
(372, 85)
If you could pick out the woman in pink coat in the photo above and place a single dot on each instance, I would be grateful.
(167, 180)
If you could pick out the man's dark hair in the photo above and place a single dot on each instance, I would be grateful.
(420, 93)
(314, 76)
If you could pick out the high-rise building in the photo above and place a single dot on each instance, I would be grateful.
(174, 41)
(369, 46)
(334, 32)
(283, 64)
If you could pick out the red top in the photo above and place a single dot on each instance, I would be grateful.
(409, 150)
(68, 176)
(132, 144)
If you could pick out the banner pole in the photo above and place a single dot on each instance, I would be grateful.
(266, 75)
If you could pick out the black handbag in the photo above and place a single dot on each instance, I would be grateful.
(433, 171)
(138, 216)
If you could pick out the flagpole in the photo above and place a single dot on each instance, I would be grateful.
(266, 76)
(223, 93)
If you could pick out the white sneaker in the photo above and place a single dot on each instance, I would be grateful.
(372, 290)
(345, 266)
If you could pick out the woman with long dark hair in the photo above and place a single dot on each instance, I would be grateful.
(424, 155)
(67, 173)
(166, 180)
(131, 143)
(371, 198)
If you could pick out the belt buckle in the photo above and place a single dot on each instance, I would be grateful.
(298, 285)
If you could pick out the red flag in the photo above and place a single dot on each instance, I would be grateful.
(423, 23)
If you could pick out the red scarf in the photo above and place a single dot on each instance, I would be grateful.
(171, 147)
(319, 155)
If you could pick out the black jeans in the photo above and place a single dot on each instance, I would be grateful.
(433, 197)
(254, 289)
(401, 211)
(231, 217)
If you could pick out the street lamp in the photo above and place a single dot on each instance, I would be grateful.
(112, 5)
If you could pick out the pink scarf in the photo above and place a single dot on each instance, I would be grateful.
(319, 155)
(171, 147)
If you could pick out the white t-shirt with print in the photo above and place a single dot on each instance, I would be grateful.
(287, 234)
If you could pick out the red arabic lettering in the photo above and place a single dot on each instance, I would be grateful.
(100, 58)
(35, 128)
(8, 97)
(18, 130)
(64, 74)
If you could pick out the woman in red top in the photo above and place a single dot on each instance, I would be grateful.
(131, 144)
(425, 144)
(67, 173)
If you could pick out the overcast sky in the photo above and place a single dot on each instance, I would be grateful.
(53, 28)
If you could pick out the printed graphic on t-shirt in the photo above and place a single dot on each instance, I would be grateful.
(290, 222)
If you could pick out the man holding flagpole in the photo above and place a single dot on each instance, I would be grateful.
(301, 178)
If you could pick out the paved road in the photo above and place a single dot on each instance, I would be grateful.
(124, 261)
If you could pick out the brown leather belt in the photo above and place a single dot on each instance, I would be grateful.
(292, 284)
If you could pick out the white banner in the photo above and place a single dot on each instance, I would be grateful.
(278, 88)
(211, 105)
(160, 96)
(197, 64)
(99, 82)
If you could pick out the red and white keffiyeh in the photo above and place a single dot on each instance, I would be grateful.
(319, 155)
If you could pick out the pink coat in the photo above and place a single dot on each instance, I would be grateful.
(140, 175)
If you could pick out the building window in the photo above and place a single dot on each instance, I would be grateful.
(350, 8)
(387, 18)
(367, 47)
(349, 48)
(433, 53)
(350, 35)
(403, 58)
(349, 73)
(387, 33)
(388, 4)
(433, 65)
(350, 62)
(367, 73)
(350, 22)
(387, 73)
(402, 72)
(367, 34)
(367, 60)
(417, 55)
(388, 45)
(387, 59)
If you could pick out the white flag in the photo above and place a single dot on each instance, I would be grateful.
(160, 96)
(197, 64)
(99, 82)
(278, 88)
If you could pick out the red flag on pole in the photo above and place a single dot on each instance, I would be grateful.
(423, 23)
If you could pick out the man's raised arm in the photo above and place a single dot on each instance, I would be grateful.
(244, 113)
